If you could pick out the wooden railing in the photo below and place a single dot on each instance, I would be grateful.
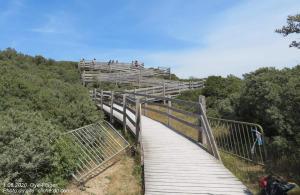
(172, 89)
(91, 65)
(178, 117)
(149, 80)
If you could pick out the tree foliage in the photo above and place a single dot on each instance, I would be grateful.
(39, 99)
(221, 94)
(271, 98)
(267, 96)
(293, 26)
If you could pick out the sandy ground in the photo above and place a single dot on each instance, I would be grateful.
(119, 179)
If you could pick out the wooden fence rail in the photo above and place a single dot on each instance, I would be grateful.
(148, 80)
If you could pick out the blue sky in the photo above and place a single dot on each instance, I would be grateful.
(193, 37)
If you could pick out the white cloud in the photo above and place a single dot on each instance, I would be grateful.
(243, 40)
(56, 23)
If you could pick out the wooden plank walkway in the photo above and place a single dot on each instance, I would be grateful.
(175, 165)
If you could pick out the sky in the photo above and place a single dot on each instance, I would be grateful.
(194, 37)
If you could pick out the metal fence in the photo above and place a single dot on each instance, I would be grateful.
(96, 145)
(242, 139)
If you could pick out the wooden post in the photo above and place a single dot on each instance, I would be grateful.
(203, 102)
(137, 120)
(164, 92)
(134, 93)
(95, 95)
(79, 65)
(212, 146)
(124, 114)
(145, 104)
(202, 137)
(101, 99)
(169, 110)
(140, 77)
(111, 107)
(83, 77)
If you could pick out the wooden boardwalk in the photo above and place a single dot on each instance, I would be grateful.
(175, 165)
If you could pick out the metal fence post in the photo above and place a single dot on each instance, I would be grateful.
(111, 107)
(201, 134)
(137, 120)
(124, 114)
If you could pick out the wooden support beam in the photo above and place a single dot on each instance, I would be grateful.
(124, 114)
(169, 110)
(101, 99)
(139, 77)
(83, 78)
(201, 133)
(111, 107)
(203, 102)
(95, 95)
(145, 104)
(134, 93)
(137, 120)
(164, 91)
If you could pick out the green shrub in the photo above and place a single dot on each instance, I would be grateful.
(39, 99)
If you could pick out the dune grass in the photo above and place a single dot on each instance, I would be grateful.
(126, 180)
(248, 173)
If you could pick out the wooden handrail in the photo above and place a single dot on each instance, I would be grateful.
(137, 99)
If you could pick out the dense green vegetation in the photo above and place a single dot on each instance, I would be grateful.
(39, 99)
(221, 95)
(269, 97)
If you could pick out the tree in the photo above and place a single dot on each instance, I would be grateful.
(271, 98)
(293, 26)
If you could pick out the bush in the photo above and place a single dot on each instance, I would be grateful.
(25, 149)
(267, 96)
(221, 95)
(271, 98)
(39, 99)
